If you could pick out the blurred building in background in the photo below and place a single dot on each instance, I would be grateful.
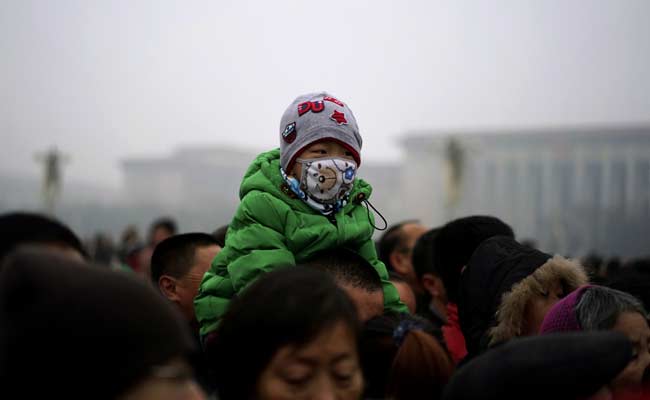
(573, 191)
(199, 184)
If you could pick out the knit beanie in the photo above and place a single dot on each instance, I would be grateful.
(77, 331)
(317, 117)
(562, 316)
(457, 241)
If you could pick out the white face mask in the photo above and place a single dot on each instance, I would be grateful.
(327, 180)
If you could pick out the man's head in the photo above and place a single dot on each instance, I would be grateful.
(455, 243)
(355, 276)
(161, 229)
(178, 264)
(18, 229)
(314, 118)
(396, 250)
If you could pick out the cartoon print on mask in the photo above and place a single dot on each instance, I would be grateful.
(325, 183)
(325, 176)
(328, 179)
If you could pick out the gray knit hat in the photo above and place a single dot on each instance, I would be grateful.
(314, 117)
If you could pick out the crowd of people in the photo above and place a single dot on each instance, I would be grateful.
(293, 299)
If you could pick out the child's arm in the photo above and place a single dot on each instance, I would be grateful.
(392, 301)
(255, 244)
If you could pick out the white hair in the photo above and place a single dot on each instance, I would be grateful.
(599, 307)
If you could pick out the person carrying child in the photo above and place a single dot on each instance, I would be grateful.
(296, 201)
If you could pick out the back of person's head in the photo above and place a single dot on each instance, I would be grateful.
(111, 331)
(161, 229)
(641, 265)
(433, 294)
(455, 243)
(403, 357)
(347, 267)
(390, 241)
(286, 307)
(20, 228)
(355, 275)
(633, 278)
(220, 235)
(423, 254)
(174, 256)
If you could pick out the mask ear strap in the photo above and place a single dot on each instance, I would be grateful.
(368, 207)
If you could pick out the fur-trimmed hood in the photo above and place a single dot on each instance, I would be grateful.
(511, 312)
(500, 279)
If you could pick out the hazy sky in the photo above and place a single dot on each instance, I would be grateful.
(105, 80)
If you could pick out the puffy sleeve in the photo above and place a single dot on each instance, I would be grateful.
(255, 244)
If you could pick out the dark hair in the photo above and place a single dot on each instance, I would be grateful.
(633, 278)
(639, 264)
(115, 330)
(220, 235)
(166, 223)
(347, 268)
(27, 228)
(423, 256)
(456, 242)
(292, 305)
(174, 256)
(391, 240)
(403, 357)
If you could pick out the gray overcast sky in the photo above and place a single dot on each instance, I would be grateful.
(104, 80)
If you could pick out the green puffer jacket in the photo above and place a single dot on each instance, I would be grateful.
(272, 228)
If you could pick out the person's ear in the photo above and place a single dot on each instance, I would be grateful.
(431, 285)
(168, 287)
(397, 261)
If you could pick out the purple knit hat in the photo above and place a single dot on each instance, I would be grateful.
(562, 316)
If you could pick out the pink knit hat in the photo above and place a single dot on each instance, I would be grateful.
(562, 316)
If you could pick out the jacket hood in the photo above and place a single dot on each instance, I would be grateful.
(500, 279)
(510, 315)
(264, 175)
